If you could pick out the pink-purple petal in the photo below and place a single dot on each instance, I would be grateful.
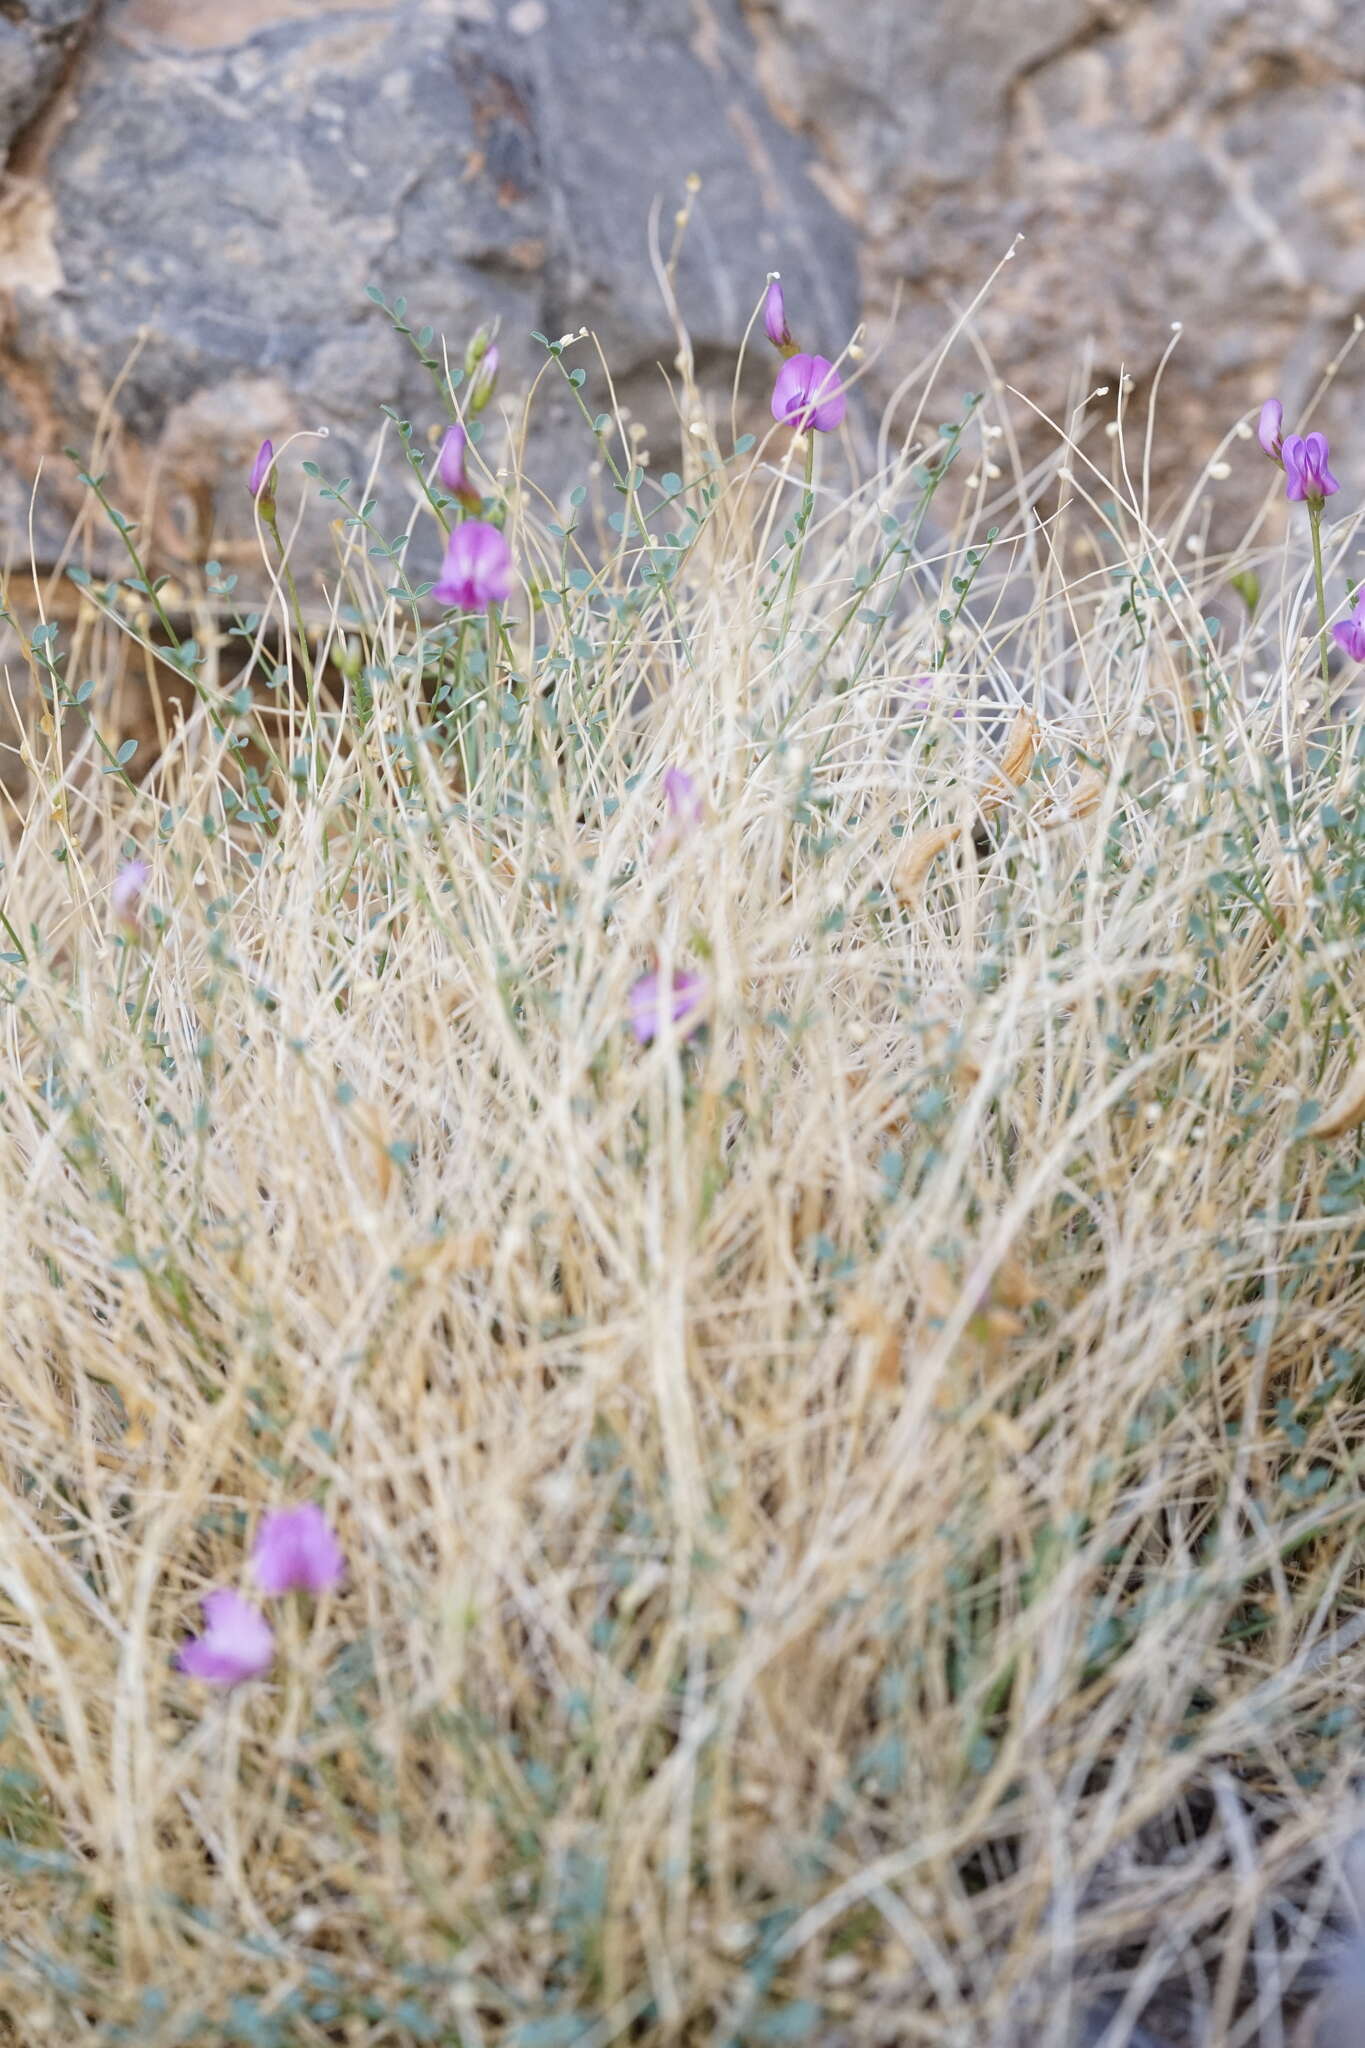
(450, 469)
(1306, 472)
(477, 570)
(775, 315)
(807, 395)
(653, 1005)
(297, 1551)
(237, 1644)
(261, 468)
(125, 897)
(1270, 430)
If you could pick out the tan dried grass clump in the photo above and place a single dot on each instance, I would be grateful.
(850, 1518)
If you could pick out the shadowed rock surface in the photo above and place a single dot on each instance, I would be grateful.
(1192, 160)
(216, 186)
(223, 181)
(36, 39)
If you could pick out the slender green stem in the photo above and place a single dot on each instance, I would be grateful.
(1315, 521)
(272, 522)
(15, 941)
(802, 527)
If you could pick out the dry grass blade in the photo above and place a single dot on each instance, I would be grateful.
(852, 1504)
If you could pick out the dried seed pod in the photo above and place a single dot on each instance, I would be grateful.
(1347, 1110)
(919, 856)
(1021, 744)
(1086, 797)
(923, 849)
(867, 1318)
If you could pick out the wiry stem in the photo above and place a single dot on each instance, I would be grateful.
(1315, 521)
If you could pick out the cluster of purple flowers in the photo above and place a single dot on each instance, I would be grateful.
(1302, 456)
(477, 569)
(295, 1551)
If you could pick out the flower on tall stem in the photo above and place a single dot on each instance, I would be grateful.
(655, 1003)
(807, 395)
(238, 1642)
(1308, 480)
(477, 570)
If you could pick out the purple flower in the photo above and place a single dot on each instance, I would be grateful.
(684, 802)
(477, 570)
(238, 1642)
(450, 470)
(652, 1005)
(807, 395)
(125, 897)
(775, 317)
(1307, 476)
(682, 797)
(296, 1550)
(1349, 634)
(1270, 432)
(485, 379)
(261, 468)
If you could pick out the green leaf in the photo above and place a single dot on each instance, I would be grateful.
(1248, 587)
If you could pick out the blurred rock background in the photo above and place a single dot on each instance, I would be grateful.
(197, 192)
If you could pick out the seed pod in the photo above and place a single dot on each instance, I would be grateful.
(1348, 1109)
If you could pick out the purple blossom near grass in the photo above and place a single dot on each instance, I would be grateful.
(654, 1004)
(1307, 476)
(1349, 633)
(807, 395)
(1308, 480)
(125, 897)
(683, 798)
(450, 468)
(296, 1551)
(238, 1642)
(477, 570)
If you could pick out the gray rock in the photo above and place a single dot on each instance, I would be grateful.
(1201, 161)
(37, 38)
(217, 185)
(228, 180)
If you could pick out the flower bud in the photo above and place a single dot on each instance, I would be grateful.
(484, 379)
(261, 471)
(1270, 432)
(775, 317)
